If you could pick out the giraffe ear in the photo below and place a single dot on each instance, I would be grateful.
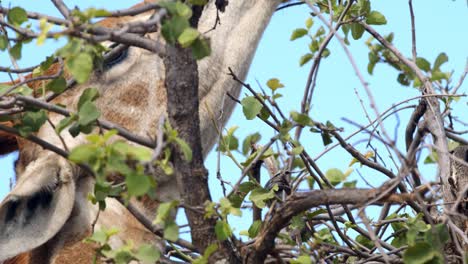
(37, 208)
(8, 142)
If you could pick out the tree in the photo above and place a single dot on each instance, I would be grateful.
(314, 213)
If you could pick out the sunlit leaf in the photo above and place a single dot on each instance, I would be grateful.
(148, 254)
(274, 84)
(251, 107)
(223, 230)
(376, 18)
(17, 16)
(298, 33)
(188, 36)
(357, 30)
(171, 232)
(441, 59)
(80, 66)
(305, 58)
(57, 85)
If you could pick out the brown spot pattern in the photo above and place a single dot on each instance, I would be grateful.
(121, 119)
(77, 253)
(136, 95)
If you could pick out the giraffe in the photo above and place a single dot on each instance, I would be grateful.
(133, 96)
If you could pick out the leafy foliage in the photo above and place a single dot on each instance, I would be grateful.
(125, 254)
(315, 232)
(177, 28)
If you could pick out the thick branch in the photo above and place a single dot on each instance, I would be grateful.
(182, 107)
(303, 201)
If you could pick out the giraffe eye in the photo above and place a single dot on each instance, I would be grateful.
(116, 55)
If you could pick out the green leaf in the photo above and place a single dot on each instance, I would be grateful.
(324, 235)
(164, 211)
(169, 5)
(305, 58)
(437, 236)
(365, 241)
(183, 10)
(32, 122)
(210, 250)
(357, 30)
(3, 42)
(206, 255)
(298, 33)
(420, 253)
(23, 89)
(255, 228)
(173, 27)
(171, 232)
(399, 240)
(88, 113)
(45, 65)
(201, 48)
(248, 141)
(403, 79)
(185, 148)
(364, 7)
(376, 18)
(309, 23)
(326, 138)
(274, 84)
(17, 16)
(373, 59)
(259, 196)
(227, 207)
(303, 259)
(80, 66)
(148, 254)
(326, 53)
(237, 198)
(350, 184)
(65, 123)
(251, 107)
(223, 230)
(137, 184)
(423, 64)
(437, 76)
(89, 94)
(139, 153)
(188, 37)
(15, 51)
(301, 119)
(297, 150)
(441, 59)
(229, 142)
(264, 113)
(431, 158)
(198, 2)
(297, 222)
(320, 32)
(45, 27)
(335, 176)
(314, 46)
(98, 236)
(120, 256)
(93, 12)
(82, 153)
(57, 85)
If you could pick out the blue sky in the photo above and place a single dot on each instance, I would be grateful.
(440, 28)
